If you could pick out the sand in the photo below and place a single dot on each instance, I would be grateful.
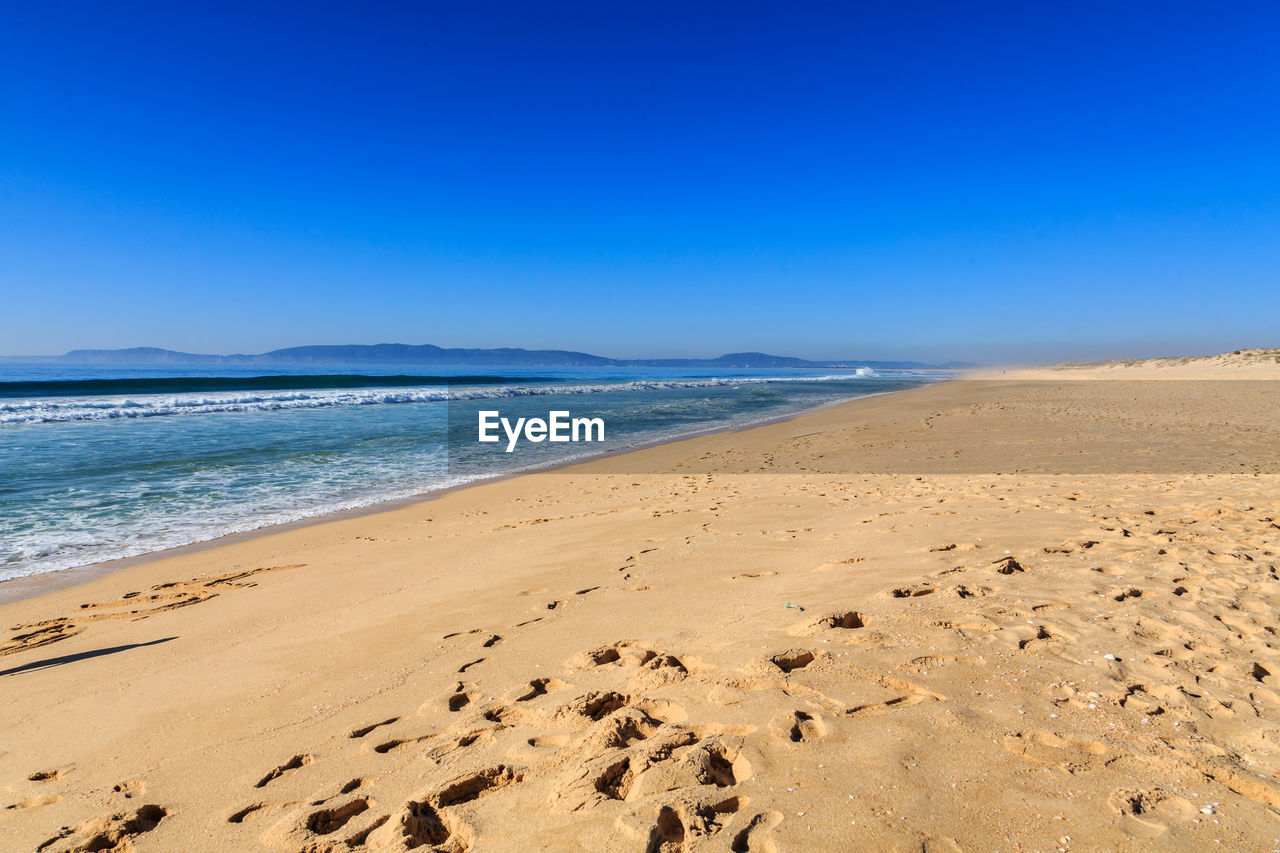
(1240, 364)
(998, 615)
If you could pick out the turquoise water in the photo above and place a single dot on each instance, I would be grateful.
(102, 462)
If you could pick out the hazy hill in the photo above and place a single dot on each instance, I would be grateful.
(404, 354)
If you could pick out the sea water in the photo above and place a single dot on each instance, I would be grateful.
(102, 462)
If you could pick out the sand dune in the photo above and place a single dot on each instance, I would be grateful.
(1240, 364)
(982, 615)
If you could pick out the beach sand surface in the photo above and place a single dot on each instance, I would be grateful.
(1024, 613)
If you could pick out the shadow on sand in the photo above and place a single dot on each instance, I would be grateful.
(65, 659)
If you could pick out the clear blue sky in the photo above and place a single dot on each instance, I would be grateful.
(642, 179)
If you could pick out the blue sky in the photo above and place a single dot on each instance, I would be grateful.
(887, 180)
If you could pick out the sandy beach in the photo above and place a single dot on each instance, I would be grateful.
(1018, 612)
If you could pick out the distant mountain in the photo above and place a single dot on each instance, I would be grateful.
(428, 354)
(733, 359)
(405, 354)
(350, 354)
(136, 355)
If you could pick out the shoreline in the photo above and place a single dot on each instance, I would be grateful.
(41, 583)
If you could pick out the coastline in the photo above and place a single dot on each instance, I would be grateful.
(1064, 589)
(29, 586)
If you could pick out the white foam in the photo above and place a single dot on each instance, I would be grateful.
(65, 410)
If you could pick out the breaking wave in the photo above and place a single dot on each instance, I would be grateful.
(64, 409)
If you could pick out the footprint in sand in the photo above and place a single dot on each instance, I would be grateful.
(130, 788)
(1126, 594)
(1008, 566)
(792, 659)
(108, 832)
(426, 823)
(757, 837)
(329, 820)
(668, 833)
(540, 687)
(1151, 810)
(652, 668)
(802, 726)
(595, 706)
(132, 605)
(913, 591)
(472, 786)
(459, 699)
(910, 694)
(1051, 750)
(253, 811)
(1041, 633)
(848, 620)
(396, 743)
(922, 665)
(33, 802)
(416, 824)
(295, 763)
(361, 732)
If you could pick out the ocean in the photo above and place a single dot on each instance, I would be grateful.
(100, 462)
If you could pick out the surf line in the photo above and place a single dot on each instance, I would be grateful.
(557, 426)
